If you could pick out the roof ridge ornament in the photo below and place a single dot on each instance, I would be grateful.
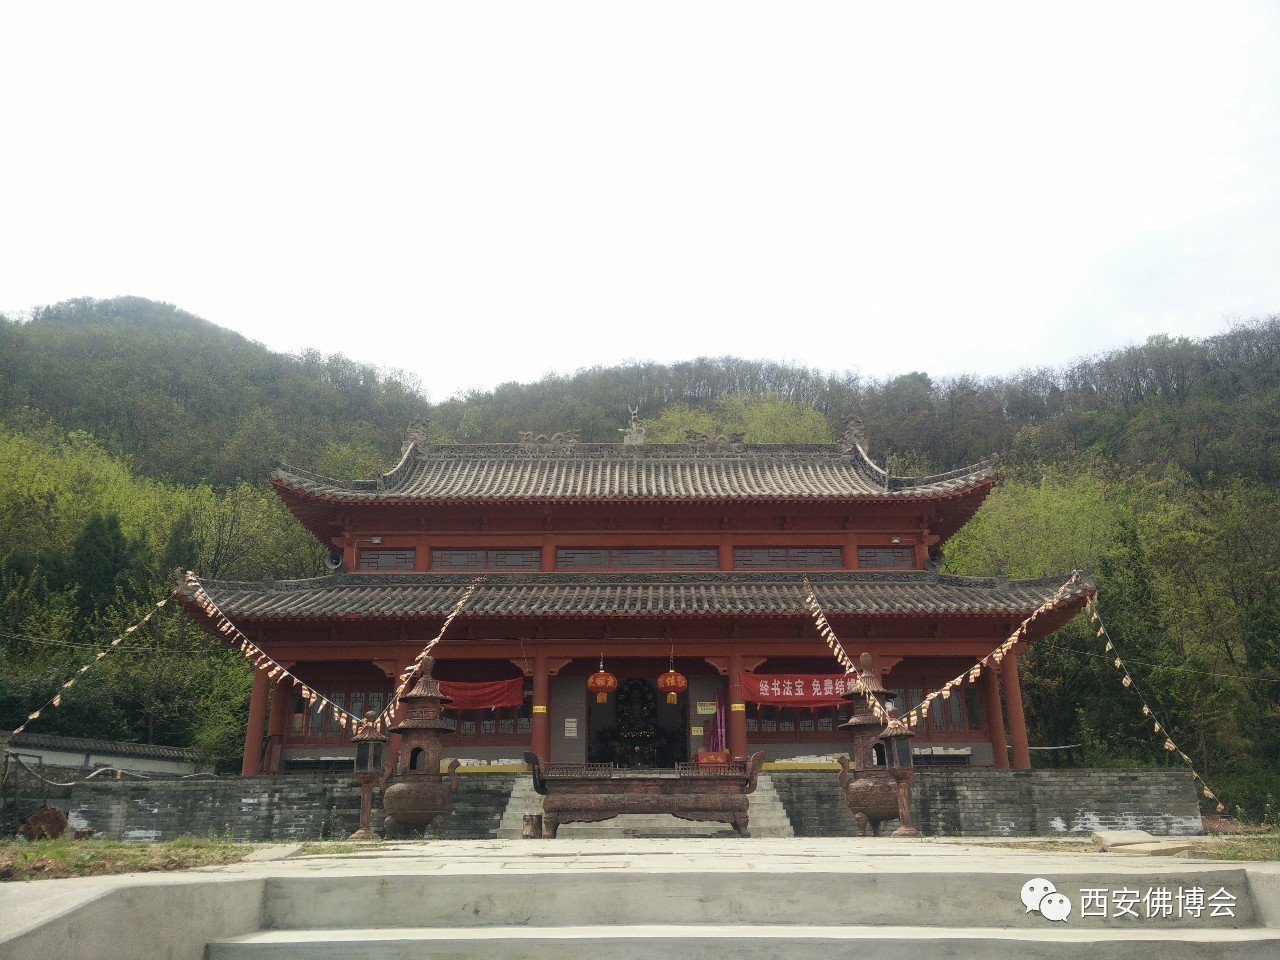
(855, 441)
(417, 432)
(633, 432)
(567, 438)
(704, 441)
(855, 435)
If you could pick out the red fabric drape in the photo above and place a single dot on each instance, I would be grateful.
(483, 695)
(797, 689)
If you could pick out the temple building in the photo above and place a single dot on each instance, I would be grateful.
(637, 560)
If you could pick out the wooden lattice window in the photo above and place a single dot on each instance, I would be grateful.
(773, 558)
(525, 558)
(637, 558)
(887, 558)
(315, 721)
(771, 724)
(501, 726)
(385, 558)
(960, 713)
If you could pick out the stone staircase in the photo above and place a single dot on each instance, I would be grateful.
(766, 818)
(754, 900)
(815, 805)
(478, 805)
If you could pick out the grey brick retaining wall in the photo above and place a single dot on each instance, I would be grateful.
(947, 803)
(261, 808)
(985, 803)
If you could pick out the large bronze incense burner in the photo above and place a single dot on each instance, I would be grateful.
(590, 792)
(878, 787)
(420, 797)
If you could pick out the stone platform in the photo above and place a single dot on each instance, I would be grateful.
(954, 803)
(800, 898)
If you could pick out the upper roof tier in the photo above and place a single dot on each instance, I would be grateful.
(654, 473)
(411, 596)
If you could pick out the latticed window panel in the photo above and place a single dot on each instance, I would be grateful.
(774, 558)
(316, 723)
(501, 726)
(956, 716)
(637, 558)
(524, 558)
(385, 558)
(887, 558)
(770, 724)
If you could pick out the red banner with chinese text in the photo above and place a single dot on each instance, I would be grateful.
(797, 689)
(483, 695)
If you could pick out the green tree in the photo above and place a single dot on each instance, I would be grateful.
(767, 419)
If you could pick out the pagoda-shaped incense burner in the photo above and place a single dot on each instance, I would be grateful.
(420, 797)
(878, 788)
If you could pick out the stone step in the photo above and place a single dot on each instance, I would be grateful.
(604, 888)
(815, 805)
(478, 806)
(761, 942)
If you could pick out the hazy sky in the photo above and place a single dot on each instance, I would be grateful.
(481, 192)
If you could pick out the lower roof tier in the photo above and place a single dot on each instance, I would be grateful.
(411, 596)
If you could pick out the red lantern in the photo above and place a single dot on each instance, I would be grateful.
(672, 683)
(601, 683)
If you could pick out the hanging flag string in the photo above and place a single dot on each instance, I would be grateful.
(259, 658)
(1126, 679)
(56, 699)
(837, 648)
(411, 673)
(920, 711)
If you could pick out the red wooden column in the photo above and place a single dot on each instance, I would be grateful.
(257, 723)
(540, 725)
(737, 726)
(278, 721)
(995, 718)
(1017, 720)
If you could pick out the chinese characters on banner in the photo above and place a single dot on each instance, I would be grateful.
(797, 689)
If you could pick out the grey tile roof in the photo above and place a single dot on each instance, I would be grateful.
(712, 594)
(659, 472)
(112, 748)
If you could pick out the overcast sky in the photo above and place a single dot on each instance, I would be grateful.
(482, 192)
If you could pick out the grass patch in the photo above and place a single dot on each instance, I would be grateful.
(1242, 846)
(50, 859)
(319, 848)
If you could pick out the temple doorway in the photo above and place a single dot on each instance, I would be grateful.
(637, 728)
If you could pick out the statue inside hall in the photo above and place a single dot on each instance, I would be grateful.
(637, 740)
(637, 725)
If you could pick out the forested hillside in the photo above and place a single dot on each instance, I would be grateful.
(188, 401)
(135, 438)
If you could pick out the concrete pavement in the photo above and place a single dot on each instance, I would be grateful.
(633, 897)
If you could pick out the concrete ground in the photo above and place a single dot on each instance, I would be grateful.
(830, 890)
